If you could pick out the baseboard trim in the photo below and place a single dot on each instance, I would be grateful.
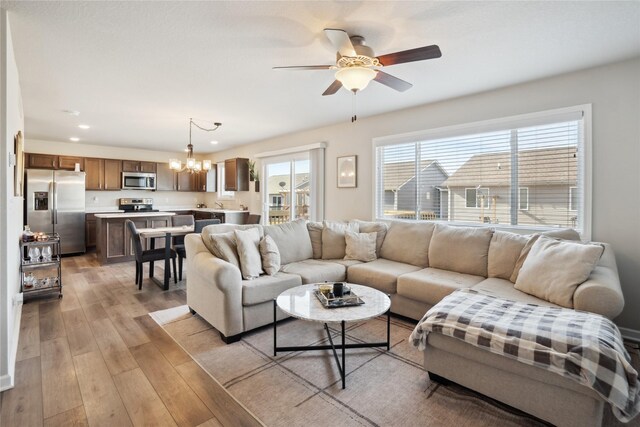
(630, 334)
(7, 381)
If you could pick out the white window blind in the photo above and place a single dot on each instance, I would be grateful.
(527, 176)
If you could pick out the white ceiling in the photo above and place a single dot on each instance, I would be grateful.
(138, 70)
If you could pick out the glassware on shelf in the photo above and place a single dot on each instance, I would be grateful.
(28, 280)
(46, 253)
(34, 254)
(27, 234)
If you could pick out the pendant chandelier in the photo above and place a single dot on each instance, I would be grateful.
(192, 165)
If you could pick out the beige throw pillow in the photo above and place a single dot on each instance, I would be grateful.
(315, 233)
(553, 269)
(360, 246)
(247, 245)
(333, 241)
(378, 227)
(224, 247)
(270, 255)
(504, 251)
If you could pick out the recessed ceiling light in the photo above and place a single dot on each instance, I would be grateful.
(72, 112)
(214, 142)
(84, 126)
(74, 139)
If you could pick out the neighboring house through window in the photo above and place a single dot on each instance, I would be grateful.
(477, 197)
(523, 198)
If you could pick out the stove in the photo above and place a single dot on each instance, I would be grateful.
(136, 205)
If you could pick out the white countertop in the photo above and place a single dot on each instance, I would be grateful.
(102, 210)
(133, 214)
(217, 210)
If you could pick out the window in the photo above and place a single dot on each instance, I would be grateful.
(523, 198)
(523, 172)
(276, 201)
(222, 193)
(477, 197)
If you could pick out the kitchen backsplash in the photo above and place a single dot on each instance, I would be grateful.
(109, 199)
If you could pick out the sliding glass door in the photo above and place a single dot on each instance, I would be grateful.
(288, 193)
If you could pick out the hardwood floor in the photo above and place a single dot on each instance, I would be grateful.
(95, 358)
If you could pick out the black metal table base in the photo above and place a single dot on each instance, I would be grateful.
(340, 361)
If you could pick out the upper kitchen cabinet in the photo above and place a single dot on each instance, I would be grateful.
(112, 174)
(166, 179)
(42, 161)
(69, 162)
(135, 166)
(236, 174)
(187, 181)
(207, 180)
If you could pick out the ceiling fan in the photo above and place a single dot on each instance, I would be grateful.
(356, 64)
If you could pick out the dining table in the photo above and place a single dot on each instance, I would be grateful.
(152, 234)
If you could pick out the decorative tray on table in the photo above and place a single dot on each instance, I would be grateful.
(348, 299)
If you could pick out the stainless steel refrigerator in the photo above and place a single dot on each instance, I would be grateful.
(55, 204)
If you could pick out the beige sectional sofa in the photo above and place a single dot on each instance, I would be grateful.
(418, 264)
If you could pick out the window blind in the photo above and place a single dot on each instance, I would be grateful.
(517, 176)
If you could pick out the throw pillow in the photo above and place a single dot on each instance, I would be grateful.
(360, 246)
(292, 239)
(333, 242)
(250, 261)
(379, 227)
(522, 257)
(504, 251)
(224, 247)
(554, 269)
(315, 234)
(270, 255)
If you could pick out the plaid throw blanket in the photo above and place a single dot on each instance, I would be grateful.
(584, 347)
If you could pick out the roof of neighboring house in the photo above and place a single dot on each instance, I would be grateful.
(274, 187)
(545, 166)
(396, 174)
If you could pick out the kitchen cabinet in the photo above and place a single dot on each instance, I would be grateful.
(94, 174)
(236, 174)
(90, 230)
(42, 161)
(166, 179)
(135, 166)
(69, 162)
(187, 181)
(112, 174)
(207, 180)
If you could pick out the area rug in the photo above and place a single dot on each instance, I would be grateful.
(304, 388)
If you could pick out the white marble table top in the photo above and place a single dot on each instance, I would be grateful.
(302, 303)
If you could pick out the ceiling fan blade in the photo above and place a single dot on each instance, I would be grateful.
(393, 82)
(411, 55)
(340, 40)
(335, 86)
(305, 67)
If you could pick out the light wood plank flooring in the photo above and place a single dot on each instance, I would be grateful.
(96, 358)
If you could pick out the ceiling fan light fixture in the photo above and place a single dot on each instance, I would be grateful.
(355, 78)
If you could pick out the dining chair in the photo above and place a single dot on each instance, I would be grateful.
(197, 228)
(149, 255)
(178, 241)
(202, 223)
(253, 219)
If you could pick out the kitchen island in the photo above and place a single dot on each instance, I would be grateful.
(113, 238)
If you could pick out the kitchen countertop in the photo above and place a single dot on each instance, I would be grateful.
(102, 210)
(218, 210)
(133, 214)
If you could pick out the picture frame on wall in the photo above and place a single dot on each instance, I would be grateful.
(18, 169)
(347, 172)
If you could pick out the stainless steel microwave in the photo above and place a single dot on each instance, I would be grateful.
(138, 181)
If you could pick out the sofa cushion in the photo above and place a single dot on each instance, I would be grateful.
(270, 255)
(504, 251)
(315, 234)
(247, 242)
(346, 262)
(316, 270)
(224, 228)
(504, 289)
(381, 274)
(380, 228)
(403, 235)
(292, 239)
(430, 285)
(460, 249)
(333, 240)
(266, 288)
(360, 246)
(554, 269)
(224, 247)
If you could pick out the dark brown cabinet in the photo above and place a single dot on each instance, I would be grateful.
(114, 240)
(236, 174)
(90, 230)
(207, 180)
(94, 174)
(166, 179)
(187, 181)
(69, 162)
(43, 161)
(112, 174)
(135, 166)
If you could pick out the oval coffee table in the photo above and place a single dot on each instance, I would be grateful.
(301, 302)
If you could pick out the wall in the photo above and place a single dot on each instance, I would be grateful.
(95, 200)
(11, 121)
(614, 91)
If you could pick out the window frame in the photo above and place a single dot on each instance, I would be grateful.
(581, 112)
(571, 207)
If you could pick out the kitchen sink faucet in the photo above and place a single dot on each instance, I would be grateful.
(220, 205)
